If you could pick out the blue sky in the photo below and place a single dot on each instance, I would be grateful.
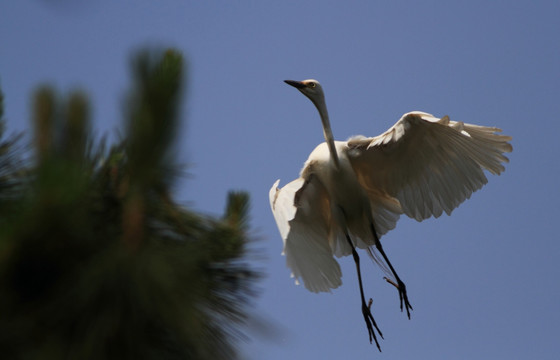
(484, 283)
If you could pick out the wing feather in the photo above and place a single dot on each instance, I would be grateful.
(430, 165)
(301, 210)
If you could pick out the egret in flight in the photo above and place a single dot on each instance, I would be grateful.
(350, 193)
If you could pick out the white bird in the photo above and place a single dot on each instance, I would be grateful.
(350, 193)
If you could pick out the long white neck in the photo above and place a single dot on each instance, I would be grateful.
(322, 108)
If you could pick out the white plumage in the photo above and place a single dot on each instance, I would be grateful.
(422, 166)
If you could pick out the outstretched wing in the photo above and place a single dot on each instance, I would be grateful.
(429, 164)
(301, 211)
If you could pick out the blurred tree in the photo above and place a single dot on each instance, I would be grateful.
(97, 261)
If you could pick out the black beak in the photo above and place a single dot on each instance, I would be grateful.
(296, 84)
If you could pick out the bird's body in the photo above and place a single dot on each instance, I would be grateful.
(348, 202)
(350, 193)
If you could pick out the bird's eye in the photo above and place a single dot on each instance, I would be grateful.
(311, 85)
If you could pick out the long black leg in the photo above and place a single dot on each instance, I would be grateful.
(400, 285)
(366, 311)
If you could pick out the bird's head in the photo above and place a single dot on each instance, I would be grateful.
(310, 88)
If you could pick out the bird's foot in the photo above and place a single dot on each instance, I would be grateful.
(370, 323)
(401, 287)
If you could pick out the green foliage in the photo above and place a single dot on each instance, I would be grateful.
(97, 261)
(11, 165)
